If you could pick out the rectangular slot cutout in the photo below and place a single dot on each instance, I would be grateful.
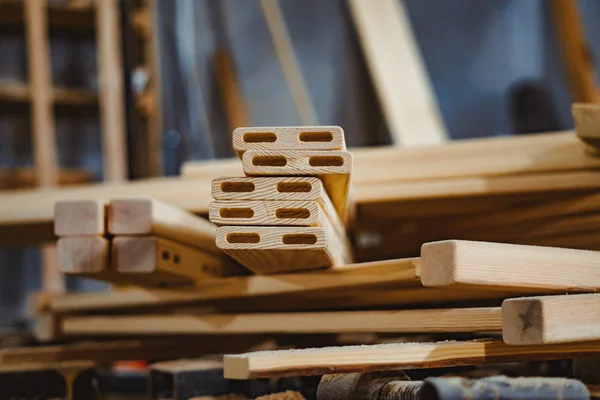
(299, 238)
(326, 161)
(269, 161)
(315, 137)
(294, 213)
(294, 187)
(259, 137)
(237, 187)
(236, 212)
(243, 238)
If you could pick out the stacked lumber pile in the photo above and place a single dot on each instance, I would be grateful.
(287, 214)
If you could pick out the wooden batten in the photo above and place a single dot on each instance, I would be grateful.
(288, 137)
(551, 319)
(152, 217)
(332, 167)
(272, 188)
(587, 122)
(499, 266)
(268, 250)
(80, 217)
(267, 213)
(85, 256)
(167, 262)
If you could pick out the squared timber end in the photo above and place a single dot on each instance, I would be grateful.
(135, 254)
(82, 255)
(288, 138)
(271, 188)
(130, 216)
(523, 321)
(236, 367)
(266, 213)
(587, 122)
(79, 217)
(438, 263)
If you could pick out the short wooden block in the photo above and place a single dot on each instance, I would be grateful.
(288, 138)
(587, 122)
(272, 188)
(152, 217)
(332, 167)
(269, 213)
(551, 319)
(167, 261)
(80, 217)
(267, 250)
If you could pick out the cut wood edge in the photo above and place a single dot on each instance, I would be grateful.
(80, 217)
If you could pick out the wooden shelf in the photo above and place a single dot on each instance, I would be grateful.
(75, 15)
(18, 93)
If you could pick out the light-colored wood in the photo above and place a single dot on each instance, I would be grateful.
(402, 273)
(144, 216)
(20, 178)
(406, 321)
(551, 319)
(80, 217)
(64, 96)
(273, 188)
(288, 61)
(398, 73)
(332, 167)
(399, 356)
(288, 138)
(84, 255)
(587, 122)
(267, 212)
(112, 102)
(461, 263)
(168, 261)
(268, 250)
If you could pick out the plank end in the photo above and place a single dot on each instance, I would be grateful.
(130, 216)
(438, 263)
(82, 255)
(135, 254)
(236, 367)
(79, 217)
(522, 321)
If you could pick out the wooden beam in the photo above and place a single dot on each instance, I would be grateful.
(146, 216)
(398, 73)
(551, 319)
(112, 107)
(288, 138)
(80, 217)
(399, 356)
(274, 188)
(461, 263)
(587, 123)
(405, 321)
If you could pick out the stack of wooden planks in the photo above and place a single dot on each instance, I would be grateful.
(287, 214)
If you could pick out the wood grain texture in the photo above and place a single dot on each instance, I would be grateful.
(500, 266)
(398, 73)
(267, 213)
(288, 138)
(146, 216)
(273, 188)
(170, 262)
(80, 217)
(365, 358)
(84, 256)
(401, 272)
(268, 250)
(332, 167)
(551, 319)
(587, 122)
(404, 321)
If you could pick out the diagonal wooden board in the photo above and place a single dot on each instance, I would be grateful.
(345, 359)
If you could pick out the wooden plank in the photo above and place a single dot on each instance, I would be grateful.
(288, 61)
(587, 122)
(487, 319)
(288, 138)
(398, 73)
(402, 272)
(167, 261)
(273, 188)
(461, 263)
(80, 217)
(268, 250)
(112, 107)
(267, 213)
(399, 356)
(84, 255)
(145, 216)
(332, 167)
(551, 319)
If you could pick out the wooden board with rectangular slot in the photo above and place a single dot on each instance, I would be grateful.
(80, 217)
(268, 250)
(146, 216)
(168, 262)
(332, 167)
(288, 138)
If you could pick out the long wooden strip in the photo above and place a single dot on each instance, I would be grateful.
(406, 321)
(587, 120)
(332, 167)
(153, 217)
(329, 360)
(80, 217)
(288, 138)
(402, 272)
(267, 212)
(551, 319)
(459, 263)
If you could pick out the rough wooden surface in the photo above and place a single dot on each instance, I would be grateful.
(80, 217)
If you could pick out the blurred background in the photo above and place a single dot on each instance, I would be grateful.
(163, 82)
